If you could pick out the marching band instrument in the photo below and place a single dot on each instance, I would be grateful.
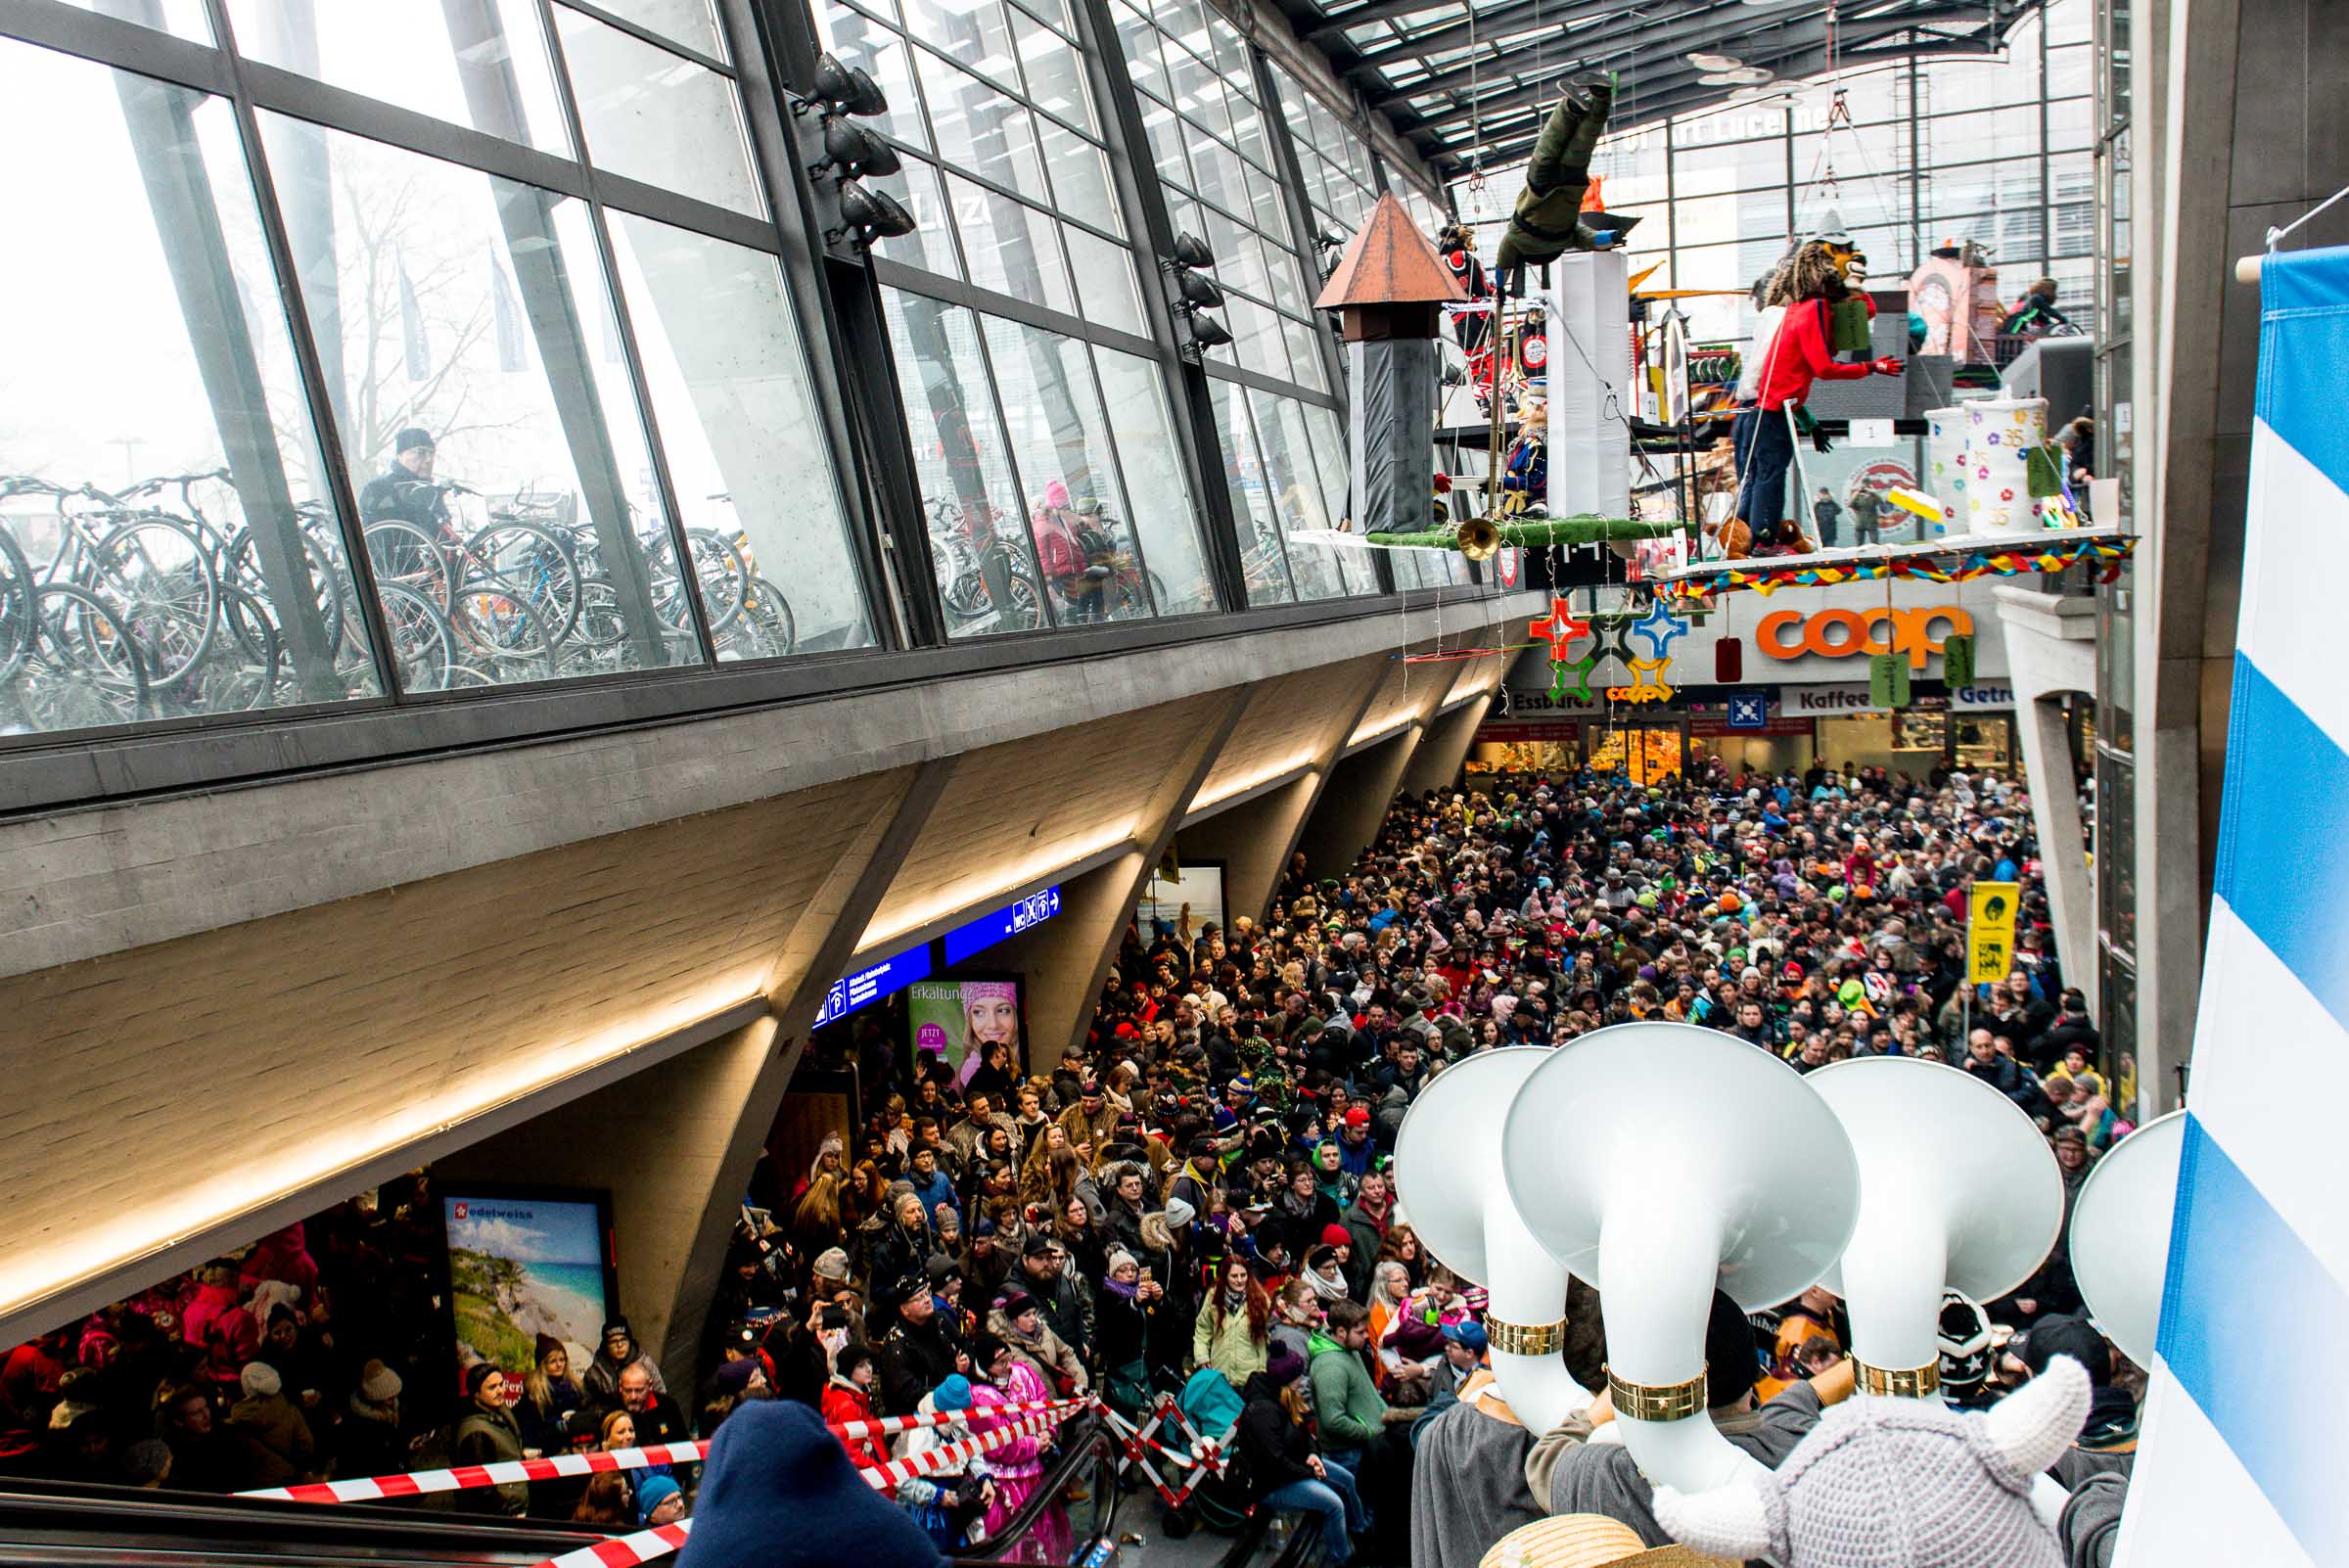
(1958, 1190)
(2121, 1234)
(1447, 1181)
(1654, 1159)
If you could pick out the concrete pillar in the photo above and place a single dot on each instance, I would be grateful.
(1253, 840)
(676, 1143)
(1066, 959)
(2052, 653)
(1435, 765)
(1360, 789)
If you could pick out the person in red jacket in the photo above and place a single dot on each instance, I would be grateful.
(848, 1397)
(1798, 354)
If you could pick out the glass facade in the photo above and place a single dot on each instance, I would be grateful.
(481, 343)
(2115, 837)
(1999, 151)
(1027, 409)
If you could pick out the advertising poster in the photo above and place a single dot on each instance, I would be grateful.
(1164, 901)
(521, 1266)
(959, 1019)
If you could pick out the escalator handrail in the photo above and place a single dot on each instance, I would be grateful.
(1090, 1446)
(37, 1512)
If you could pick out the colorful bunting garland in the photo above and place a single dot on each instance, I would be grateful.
(1764, 578)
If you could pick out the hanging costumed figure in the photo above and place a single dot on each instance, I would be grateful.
(1524, 470)
(1457, 245)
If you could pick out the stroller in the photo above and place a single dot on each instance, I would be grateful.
(1210, 1407)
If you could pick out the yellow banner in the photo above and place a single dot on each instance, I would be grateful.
(1990, 929)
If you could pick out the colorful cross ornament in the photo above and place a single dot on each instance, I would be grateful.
(1561, 630)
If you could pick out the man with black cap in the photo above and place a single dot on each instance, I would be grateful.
(916, 1355)
(1568, 1473)
(405, 493)
(617, 1353)
(1044, 1274)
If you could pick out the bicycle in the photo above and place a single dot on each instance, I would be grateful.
(149, 570)
(961, 552)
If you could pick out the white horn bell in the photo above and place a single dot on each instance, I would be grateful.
(1447, 1181)
(2121, 1234)
(1656, 1161)
(1958, 1190)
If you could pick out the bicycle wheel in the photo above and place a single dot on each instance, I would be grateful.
(724, 576)
(765, 628)
(960, 588)
(18, 623)
(405, 555)
(246, 667)
(1026, 611)
(500, 631)
(534, 560)
(423, 646)
(241, 567)
(154, 576)
(84, 669)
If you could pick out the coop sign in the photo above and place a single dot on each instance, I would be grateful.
(1853, 633)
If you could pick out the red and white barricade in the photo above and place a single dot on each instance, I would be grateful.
(1207, 1455)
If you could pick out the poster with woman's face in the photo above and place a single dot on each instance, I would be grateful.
(963, 1020)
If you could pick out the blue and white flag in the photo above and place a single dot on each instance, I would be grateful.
(2244, 1453)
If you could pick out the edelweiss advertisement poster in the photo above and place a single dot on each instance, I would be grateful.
(521, 1266)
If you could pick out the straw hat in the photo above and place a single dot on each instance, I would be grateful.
(1586, 1541)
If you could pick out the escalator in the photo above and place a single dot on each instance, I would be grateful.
(61, 1525)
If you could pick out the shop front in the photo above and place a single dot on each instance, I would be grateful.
(1805, 698)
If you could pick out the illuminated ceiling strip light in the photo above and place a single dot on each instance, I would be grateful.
(249, 1200)
(933, 919)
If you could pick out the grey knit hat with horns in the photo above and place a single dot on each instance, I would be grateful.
(1899, 1483)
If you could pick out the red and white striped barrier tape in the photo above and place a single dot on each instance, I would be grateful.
(646, 1546)
(626, 1552)
(883, 1425)
(463, 1477)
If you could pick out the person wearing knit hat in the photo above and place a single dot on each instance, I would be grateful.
(831, 1263)
(778, 1492)
(1284, 1471)
(269, 1419)
(660, 1501)
(1894, 1483)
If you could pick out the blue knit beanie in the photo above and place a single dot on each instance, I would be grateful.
(778, 1492)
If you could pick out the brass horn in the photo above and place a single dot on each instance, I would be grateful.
(1479, 537)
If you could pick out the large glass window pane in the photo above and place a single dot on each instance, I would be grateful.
(155, 599)
(1105, 286)
(1055, 71)
(691, 22)
(1081, 178)
(659, 117)
(973, 32)
(980, 130)
(1158, 481)
(744, 439)
(184, 18)
(1295, 486)
(478, 63)
(931, 245)
(529, 537)
(1264, 563)
(978, 543)
(859, 40)
(1060, 448)
(1010, 247)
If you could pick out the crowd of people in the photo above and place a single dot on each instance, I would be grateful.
(1196, 1199)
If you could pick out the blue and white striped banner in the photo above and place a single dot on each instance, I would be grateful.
(2245, 1451)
